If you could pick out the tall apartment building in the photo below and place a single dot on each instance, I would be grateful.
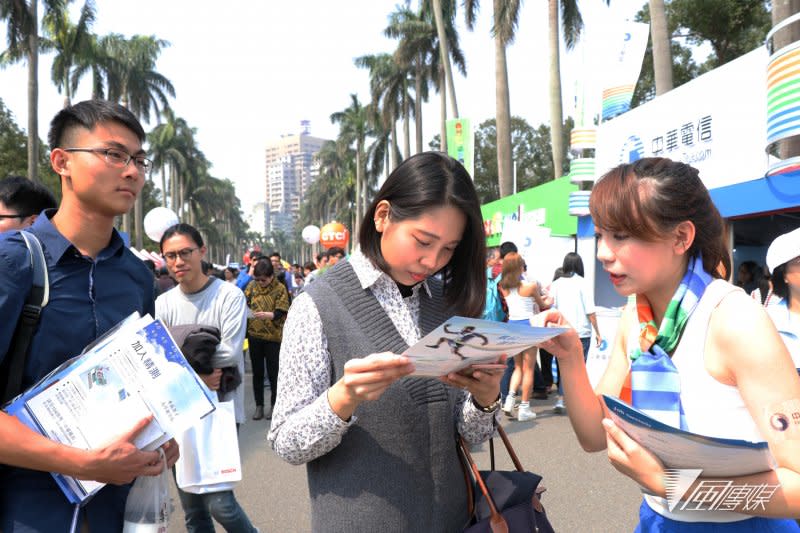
(257, 219)
(290, 170)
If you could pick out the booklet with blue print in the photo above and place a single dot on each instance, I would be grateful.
(133, 371)
(679, 449)
(462, 343)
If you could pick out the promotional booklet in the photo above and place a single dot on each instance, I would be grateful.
(462, 342)
(679, 449)
(133, 371)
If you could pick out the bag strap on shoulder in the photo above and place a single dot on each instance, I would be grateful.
(38, 298)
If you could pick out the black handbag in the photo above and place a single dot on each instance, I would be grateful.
(505, 501)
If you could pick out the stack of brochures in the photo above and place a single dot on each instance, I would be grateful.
(134, 371)
(462, 342)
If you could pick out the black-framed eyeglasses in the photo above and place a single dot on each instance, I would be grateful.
(21, 217)
(118, 158)
(184, 254)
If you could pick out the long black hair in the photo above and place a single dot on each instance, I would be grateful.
(573, 264)
(427, 181)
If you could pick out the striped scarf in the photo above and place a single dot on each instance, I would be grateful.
(655, 386)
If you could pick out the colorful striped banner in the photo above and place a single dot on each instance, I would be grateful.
(617, 100)
(582, 139)
(581, 169)
(579, 203)
(783, 94)
(783, 99)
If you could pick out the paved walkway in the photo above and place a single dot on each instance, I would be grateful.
(584, 493)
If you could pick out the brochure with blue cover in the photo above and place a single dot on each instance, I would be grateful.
(134, 371)
(679, 449)
(460, 343)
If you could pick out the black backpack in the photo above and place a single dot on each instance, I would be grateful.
(13, 364)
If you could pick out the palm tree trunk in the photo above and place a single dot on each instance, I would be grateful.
(445, 55)
(418, 104)
(164, 185)
(503, 117)
(67, 92)
(783, 9)
(33, 95)
(182, 198)
(173, 189)
(442, 114)
(138, 220)
(359, 177)
(556, 117)
(662, 49)
(393, 144)
(406, 127)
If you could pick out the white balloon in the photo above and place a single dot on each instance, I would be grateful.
(311, 234)
(157, 221)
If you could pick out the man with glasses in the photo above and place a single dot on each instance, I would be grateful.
(21, 201)
(94, 282)
(200, 299)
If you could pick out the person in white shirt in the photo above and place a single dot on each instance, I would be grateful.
(783, 260)
(573, 297)
(200, 299)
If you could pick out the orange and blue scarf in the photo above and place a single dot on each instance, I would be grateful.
(655, 386)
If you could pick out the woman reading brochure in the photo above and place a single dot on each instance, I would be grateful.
(380, 445)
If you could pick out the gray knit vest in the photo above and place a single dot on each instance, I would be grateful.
(396, 468)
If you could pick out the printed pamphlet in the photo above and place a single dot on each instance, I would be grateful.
(462, 342)
(134, 371)
(679, 449)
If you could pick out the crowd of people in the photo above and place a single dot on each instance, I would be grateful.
(326, 339)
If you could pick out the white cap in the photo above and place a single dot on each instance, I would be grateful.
(783, 249)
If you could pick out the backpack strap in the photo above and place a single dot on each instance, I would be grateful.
(37, 298)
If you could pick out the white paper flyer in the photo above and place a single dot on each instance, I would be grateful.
(462, 342)
(680, 449)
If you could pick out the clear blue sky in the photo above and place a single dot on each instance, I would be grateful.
(250, 71)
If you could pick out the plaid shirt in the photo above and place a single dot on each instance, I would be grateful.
(269, 298)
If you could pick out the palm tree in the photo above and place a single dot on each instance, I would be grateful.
(167, 143)
(22, 34)
(414, 56)
(445, 47)
(572, 25)
(379, 151)
(133, 80)
(444, 52)
(72, 43)
(353, 130)
(662, 50)
(389, 91)
(337, 191)
(506, 15)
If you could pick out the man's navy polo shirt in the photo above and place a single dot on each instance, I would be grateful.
(87, 298)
